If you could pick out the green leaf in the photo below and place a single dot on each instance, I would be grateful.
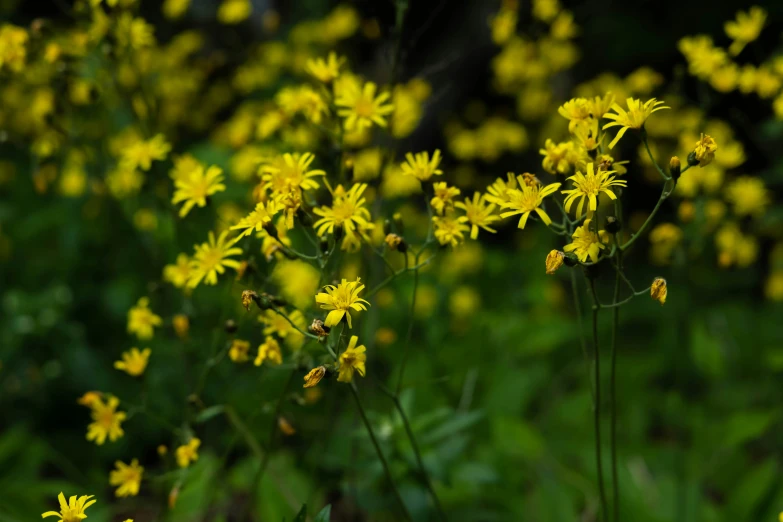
(302, 515)
(745, 426)
(324, 514)
(207, 413)
(452, 426)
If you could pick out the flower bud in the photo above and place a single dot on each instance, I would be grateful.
(398, 225)
(570, 260)
(692, 160)
(348, 163)
(314, 376)
(181, 325)
(396, 242)
(554, 260)
(658, 290)
(248, 296)
(675, 168)
(323, 244)
(612, 225)
(319, 329)
(231, 326)
(162, 450)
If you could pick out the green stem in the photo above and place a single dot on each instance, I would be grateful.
(597, 409)
(649, 153)
(613, 388)
(409, 335)
(582, 340)
(381, 457)
(644, 226)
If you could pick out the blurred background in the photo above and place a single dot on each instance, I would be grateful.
(497, 391)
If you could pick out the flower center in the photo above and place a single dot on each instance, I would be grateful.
(364, 107)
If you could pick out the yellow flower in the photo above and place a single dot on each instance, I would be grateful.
(361, 108)
(73, 510)
(134, 362)
(748, 195)
(127, 477)
(173, 9)
(591, 186)
(297, 281)
(327, 70)
(179, 273)
(298, 99)
(197, 187)
(449, 229)
(420, 166)
(314, 376)
(141, 153)
(555, 157)
(13, 50)
(142, 321)
(658, 290)
(239, 350)
(234, 11)
(444, 197)
(347, 211)
(704, 150)
(586, 243)
(664, 238)
(134, 33)
(211, 259)
(554, 260)
(188, 453)
(352, 360)
(478, 214)
(288, 171)
(181, 325)
(703, 57)
(89, 398)
(341, 299)
(269, 352)
(503, 25)
(500, 191)
(745, 29)
(275, 323)
(575, 110)
(546, 10)
(258, 219)
(634, 118)
(106, 421)
(528, 198)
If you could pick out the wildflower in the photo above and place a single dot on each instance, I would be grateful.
(449, 229)
(325, 71)
(162, 450)
(297, 281)
(420, 166)
(106, 421)
(314, 376)
(664, 239)
(478, 214)
(73, 510)
(555, 157)
(586, 243)
(703, 57)
(239, 350)
(142, 321)
(280, 325)
(188, 453)
(197, 187)
(591, 186)
(178, 273)
(361, 108)
(554, 260)
(675, 167)
(658, 290)
(127, 477)
(13, 50)
(142, 153)
(285, 172)
(528, 198)
(298, 99)
(181, 325)
(352, 360)
(503, 25)
(89, 398)
(134, 33)
(173, 9)
(134, 362)
(499, 192)
(234, 11)
(745, 29)
(395, 242)
(748, 195)
(269, 352)
(347, 211)
(576, 110)
(634, 118)
(212, 258)
(340, 300)
(258, 219)
(444, 197)
(704, 151)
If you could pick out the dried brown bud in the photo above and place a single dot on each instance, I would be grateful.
(396, 242)
(319, 329)
(554, 260)
(248, 296)
(285, 426)
(314, 376)
(658, 290)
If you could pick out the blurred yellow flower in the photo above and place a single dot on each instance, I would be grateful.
(443, 198)
(361, 107)
(450, 229)
(297, 281)
(352, 360)
(234, 11)
(745, 28)
(181, 325)
(188, 453)
(127, 477)
(325, 71)
(106, 421)
(142, 321)
(340, 300)
(420, 166)
(13, 47)
(464, 301)
(134, 362)
(179, 273)
(258, 219)
(555, 157)
(269, 352)
(134, 33)
(748, 195)
(238, 352)
(141, 153)
(276, 324)
(173, 9)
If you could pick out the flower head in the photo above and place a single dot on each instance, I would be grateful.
(352, 360)
(188, 453)
(327, 70)
(361, 107)
(590, 186)
(195, 188)
(341, 299)
(238, 351)
(704, 151)
(141, 153)
(528, 198)
(555, 157)
(142, 321)
(127, 477)
(748, 195)
(258, 219)
(420, 166)
(478, 214)
(745, 29)
(269, 352)
(212, 258)
(73, 510)
(134, 362)
(289, 171)
(585, 242)
(314, 376)
(444, 197)
(634, 118)
(450, 229)
(500, 191)
(178, 273)
(658, 290)
(347, 211)
(106, 421)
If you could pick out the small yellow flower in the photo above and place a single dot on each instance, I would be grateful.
(555, 161)
(325, 71)
(197, 187)
(361, 108)
(134, 362)
(239, 350)
(352, 360)
(575, 111)
(589, 187)
(188, 453)
(212, 258)
(314, 376)
(142, 321)
(347, 211)
(181, 325)
(444, 197)
(288, 171)
(234, 11)
(634, 118)
(13, 47)
(500, 191)
(89, 398)
(586, 243)
(450, 229)
(127, 477)
(658, 290)
(748, 195)
(341, 299)
(420, 166)
(141, 153)
(478, 214)
(745, 29)
(277, 324)
(173, 9)
(554, 260)
(178, 273)
(269, 352)
(134, 33)
(528, 198)
(73, 510)
(258, 219)
(704, 151)
(106, 421)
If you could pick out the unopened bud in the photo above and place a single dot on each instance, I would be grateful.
(692, 159)
(396, 242)
(675, 167)
(658, 290)
(348, 168)
(319, 328)
(554, 260)
(285, 426)
(570, 260)
(612, 225)
(314, 376)
(230, 326)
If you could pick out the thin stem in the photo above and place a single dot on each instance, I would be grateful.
(649, 153)
(597, 409)
(284, 316)
(409, 335)
(582, 340)
(613, 388)
(644, 226)
(381, 457)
